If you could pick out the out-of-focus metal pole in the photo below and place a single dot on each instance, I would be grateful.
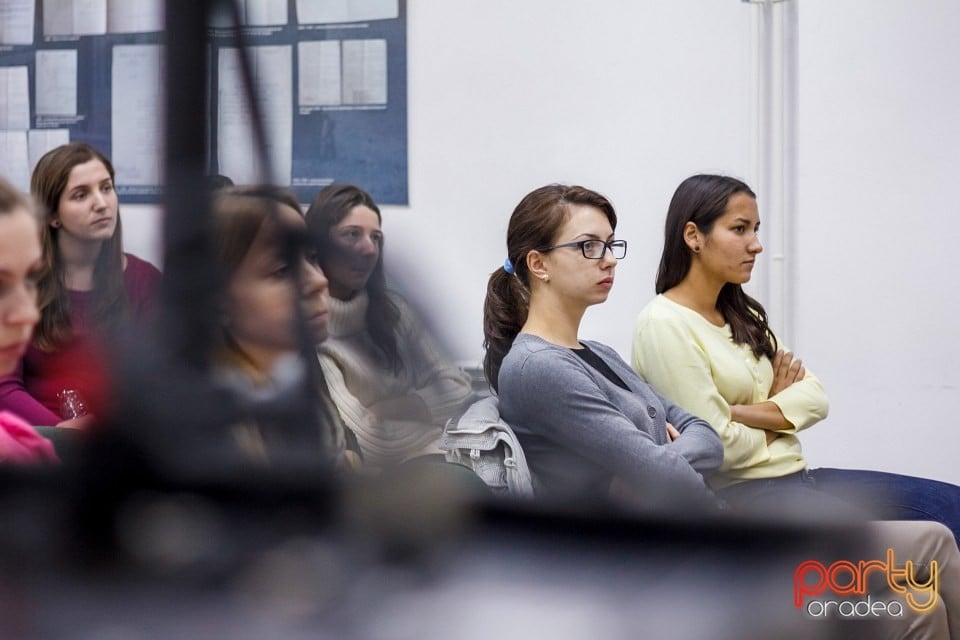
(189, 291)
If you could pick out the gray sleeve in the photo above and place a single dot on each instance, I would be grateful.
(698, 443)
(561, 402)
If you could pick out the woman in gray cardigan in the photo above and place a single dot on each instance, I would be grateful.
(589, 426)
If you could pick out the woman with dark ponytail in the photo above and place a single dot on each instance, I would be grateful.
(706, 345)
(590, 428)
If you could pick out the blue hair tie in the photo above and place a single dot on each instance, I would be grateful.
(508, 266)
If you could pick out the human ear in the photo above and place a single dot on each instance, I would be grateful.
(692, 237)
(536, 265)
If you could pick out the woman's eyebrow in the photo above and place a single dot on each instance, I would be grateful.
(593, 236)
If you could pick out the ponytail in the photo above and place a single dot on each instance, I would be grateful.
(504, 313)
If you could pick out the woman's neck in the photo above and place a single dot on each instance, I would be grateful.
(554, 322)
(699, 294)
(79, 259)
(343, 293)
(258, 364)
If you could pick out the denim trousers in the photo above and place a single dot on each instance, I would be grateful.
(851, 492)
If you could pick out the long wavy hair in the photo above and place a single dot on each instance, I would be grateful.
(47, 184)
(534, 224)
(701, 199)
(328, 208)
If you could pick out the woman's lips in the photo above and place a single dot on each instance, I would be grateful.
(14, 351)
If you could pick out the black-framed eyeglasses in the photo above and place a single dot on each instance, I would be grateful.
(595, 249)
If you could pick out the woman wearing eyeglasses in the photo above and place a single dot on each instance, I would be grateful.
(706, 345)
(390, 381)
(588, 425)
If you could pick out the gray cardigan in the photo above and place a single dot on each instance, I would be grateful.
(579, 430)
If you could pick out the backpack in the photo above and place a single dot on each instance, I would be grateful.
(481, 441)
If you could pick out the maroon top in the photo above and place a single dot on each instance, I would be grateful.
(31, 391)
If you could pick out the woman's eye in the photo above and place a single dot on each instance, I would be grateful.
(107, 188)
(281, 271)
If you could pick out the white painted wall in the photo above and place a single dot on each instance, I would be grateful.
(878, 240)
(631, 96)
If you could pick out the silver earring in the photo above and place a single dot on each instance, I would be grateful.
(545, 278)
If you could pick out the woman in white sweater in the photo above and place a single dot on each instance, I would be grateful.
(387, 376)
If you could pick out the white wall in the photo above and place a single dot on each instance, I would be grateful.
(631, 96)
(621, 96)
(877, 236)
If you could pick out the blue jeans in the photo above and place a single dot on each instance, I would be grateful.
(874, 494)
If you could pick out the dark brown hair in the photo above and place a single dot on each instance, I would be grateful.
(701, 199)
(534, 224)
(47, 184)
(239, 214)
(328, 208)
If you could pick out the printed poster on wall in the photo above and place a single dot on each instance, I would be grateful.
(330, 77)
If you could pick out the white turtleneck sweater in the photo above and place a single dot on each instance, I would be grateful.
(358, 379)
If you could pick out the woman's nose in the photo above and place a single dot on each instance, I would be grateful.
(368, 245)
(755, 246)
(314, 279)
(99, 200)
(23, 308)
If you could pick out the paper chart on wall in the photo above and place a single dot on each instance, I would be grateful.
(264, 12)
(14, 159)
(137, 99)
(319, 77)
(135, 16)
(74, 17)
(333, 11)
(237, 154)
(364, 71)
(56, 82)
(14, 99)
(39, 141)
(16, 22)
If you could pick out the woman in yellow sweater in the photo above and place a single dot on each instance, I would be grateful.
(706, 345)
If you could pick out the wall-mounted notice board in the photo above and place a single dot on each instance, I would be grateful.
(330, 76)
